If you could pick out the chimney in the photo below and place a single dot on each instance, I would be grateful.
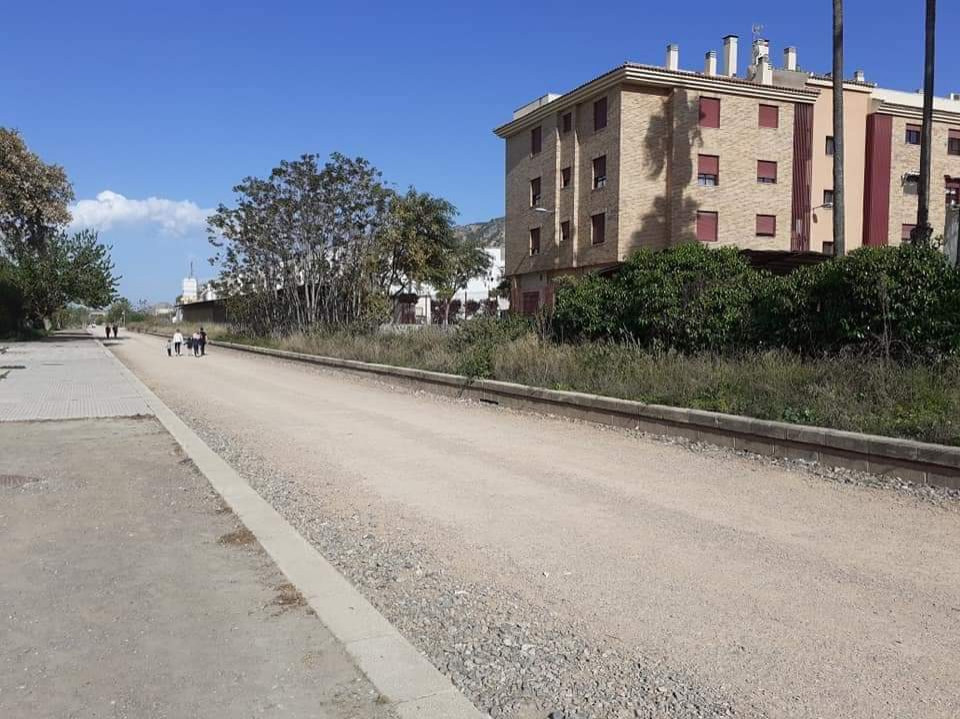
(955, 96)
(765, 70)
(859, 76)
(673, 57)
(710, 63)
(790, 58)
(730, 55)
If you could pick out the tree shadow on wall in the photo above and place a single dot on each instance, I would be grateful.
(669, 159)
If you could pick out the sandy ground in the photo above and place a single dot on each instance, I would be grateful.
(128, 591)
(796, 596)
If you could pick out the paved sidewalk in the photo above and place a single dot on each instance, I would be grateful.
(129, 589)
(64, 377)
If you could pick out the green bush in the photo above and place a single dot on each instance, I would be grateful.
(889, 301)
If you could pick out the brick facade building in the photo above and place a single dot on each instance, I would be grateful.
(646, 156)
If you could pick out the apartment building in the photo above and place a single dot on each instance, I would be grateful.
(649, 156)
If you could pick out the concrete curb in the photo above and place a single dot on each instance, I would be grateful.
(918, 462)
(415, 688)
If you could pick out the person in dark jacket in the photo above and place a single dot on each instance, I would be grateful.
(106, 329)
(114, 332)
(203, 342)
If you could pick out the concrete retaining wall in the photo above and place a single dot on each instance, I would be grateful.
(918, 462)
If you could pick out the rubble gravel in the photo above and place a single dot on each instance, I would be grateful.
(511, 658)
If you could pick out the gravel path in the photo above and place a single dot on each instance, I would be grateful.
(557, 569)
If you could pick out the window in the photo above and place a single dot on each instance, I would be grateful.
(828, 248)
(565, 231)
(913, 135)
(766, 225)
(535, 241)
(766, 172)
(953, 190)
(599, 172)
(565, 176)
(600, 114)
(707, 226)
(953, 142)
(536, 141)
(535, 192)
(598, 227)
(566, 122)
(708, 170)
(830, 146)
(905, 231)
(911, 184)
(709, 112)
(769, 116)
(828, 198)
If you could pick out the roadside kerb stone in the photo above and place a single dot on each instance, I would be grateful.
(937, 464)
(400, 672)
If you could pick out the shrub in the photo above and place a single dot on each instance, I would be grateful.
(890, 301)
(689, 298)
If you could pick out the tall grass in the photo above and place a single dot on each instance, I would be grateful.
(864, 394)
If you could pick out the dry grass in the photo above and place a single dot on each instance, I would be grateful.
(864, 394)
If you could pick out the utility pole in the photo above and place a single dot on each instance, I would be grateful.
(922, 232)
(839, 238)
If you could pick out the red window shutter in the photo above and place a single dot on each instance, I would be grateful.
(766, 225)
(708, 165)
(709, 112)
(707, 226)
(766, 170)
(599, 227)
(600, 114)
(769, 116)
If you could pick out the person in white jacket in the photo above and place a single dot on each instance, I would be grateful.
(177, 341)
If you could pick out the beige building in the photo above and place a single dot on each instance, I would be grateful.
(646, 156)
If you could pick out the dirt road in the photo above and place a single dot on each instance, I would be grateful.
(789, 595)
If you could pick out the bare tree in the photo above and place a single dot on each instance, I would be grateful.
(923, 231)
(839, 238)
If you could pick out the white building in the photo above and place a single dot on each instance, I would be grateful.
(189, 291)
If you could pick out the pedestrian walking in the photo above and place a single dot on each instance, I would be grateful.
(169, 348)
(196, 343)
(203, 342)
(107, 330)
(177, 341)
(114, 332)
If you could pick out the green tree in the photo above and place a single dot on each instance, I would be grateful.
(463, 263)
(34, 196)
(418, 236)
(119, 311)
(68, 269)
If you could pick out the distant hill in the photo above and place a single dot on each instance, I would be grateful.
(489, 233)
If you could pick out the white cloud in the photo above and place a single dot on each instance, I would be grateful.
(175, 217)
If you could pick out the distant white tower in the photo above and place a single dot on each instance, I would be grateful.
(189, 293)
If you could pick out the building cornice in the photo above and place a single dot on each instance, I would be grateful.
(916, 113)
(653, 76)
(851, 85)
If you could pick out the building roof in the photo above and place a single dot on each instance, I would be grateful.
(656, 76)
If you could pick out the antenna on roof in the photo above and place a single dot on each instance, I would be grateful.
(191, 268)
(757, 31)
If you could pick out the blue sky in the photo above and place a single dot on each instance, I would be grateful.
(178, 101)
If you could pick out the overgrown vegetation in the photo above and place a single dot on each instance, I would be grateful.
(890, 302)
(866, 343)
